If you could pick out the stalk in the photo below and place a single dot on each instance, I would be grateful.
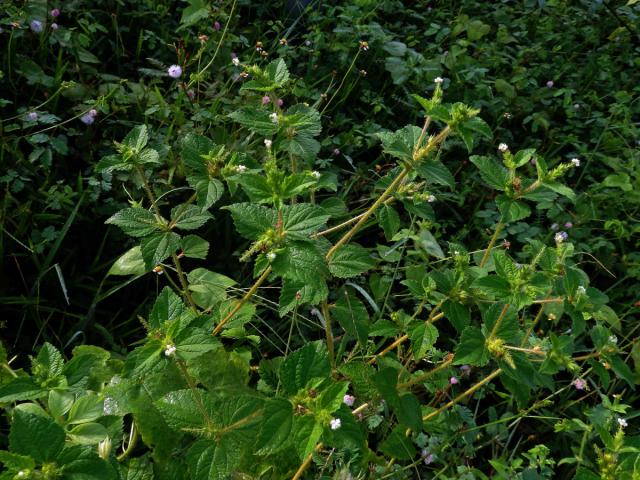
(492, 242)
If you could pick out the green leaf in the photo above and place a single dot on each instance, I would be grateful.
(352, 316)
(112, 163)
(49, 362)
(137, 138)
(303, 219)
(423, 336)
(212, 461)
(493, 174)
(256, 187)
(86, 409)
(401, 143)
(493, 285)
(129, 263)
(309, 362)
(251, 220)
(35, 434)
(472, 349)
(508, 328)
(208, 190)
(168, 307)
(434, 171)
(476, 124)
(13, 461)
(208, 288)
(350, 260)
(198, 153)
(428, 242)
(398, 445)
(189, 217)
(306, 434)
(389, 220)
(148, 155)
(20, 389)
(409, 412)
(81, 463)
(561, 190)
(257, 120)
(512, 210)
(296, 184)
(523, 156)
(295, 293)
(136, 222)
(194, 246)
(158, 247)
(505, 88)
(302, 146)
(275, 429)
(304, 120)
(457, 314)
(274, 76)
(300, 261)
(88, 433)
(192, 342)
(181, 409)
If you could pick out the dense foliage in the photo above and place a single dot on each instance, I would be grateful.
(270, 240)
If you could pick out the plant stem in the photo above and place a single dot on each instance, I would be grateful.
(492, 242)
(242, 301)
(463, 395)
(353, 62)
(345, 223)
(496, 325)
(183, 282)
(305, 464)
(426, 375)
(133, 439)
(328, 332)
(194, 389)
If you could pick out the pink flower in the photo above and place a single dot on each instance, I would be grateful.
(579, 383)
(453, 380)
(216, 26)
(266, 99)
(55, 12)
(348, 400)
(280, 102)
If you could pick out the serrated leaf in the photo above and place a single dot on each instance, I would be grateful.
(476, 124)
(352, 316)
(295, 293)
(389, 220)
(434, 171)
(523, 156)
(493, 174)
(257, 120)
(35, 434)
(307, 363)
(136, 222)
(181, 409)
(303, 219)
(208, 288)
(508, 328)
(398, 445)
(157, 248)
(49, 362)
(137, 138)
(472, 349)
(208, 190)
(493, 285)
(350, 260)
(168, 307)
(409, 412)
(423, 336)
(112, 163)
(276, 427)
(561, 189)
(251, 220)
(189, 217)
(457, 314)
(212, 461)
(192, 343)
(512, 210)
(20, 389)
(401, 143)
(256, 187)
(129, 263)
(303, 146)
(300, 261)
(194, 246)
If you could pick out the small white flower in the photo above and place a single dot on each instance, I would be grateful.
(241, 169)
(267, 143)
(316, 174)
(438, 80)
(550, 83)
(336, 423)
(22, 474)
(104, 448)
(622, 422)
(582, 290)
(169, 350)
(235, 61)
(348, 400)
(271, 256)
(431, 198)
(613, 339)
(560, 237)
(274, 117)
(503, 147)
(576, 162)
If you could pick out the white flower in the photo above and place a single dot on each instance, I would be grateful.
(438, 80)
(348, 400)
(174, 71)
(104, 448)
(613, 339)
(431, 198)
(550, 83)
(241, 169)
(336, 423)
(503, 147)
(560, 237)
(267, 143)
(169, 350)
(236, 61)
(274, 117)
(582, 290)
(271, 256)
(576, 162)
(316, 174)
(22, 474)
(622, 422)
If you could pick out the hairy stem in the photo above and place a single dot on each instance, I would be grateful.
(305, 464)
(492, 242)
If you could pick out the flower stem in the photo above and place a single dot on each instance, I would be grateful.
(305, 464)
(492, 242)
(328, 332)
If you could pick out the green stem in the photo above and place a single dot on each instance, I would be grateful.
(132, 443)
(328, 332)
(492, 242)
(503, 314)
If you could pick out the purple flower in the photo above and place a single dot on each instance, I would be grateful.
(336, 151)
(428, 457)
(54, 26)
(174, 71)
(55, 12)
(280, 102)
(348, 400)
(579, 383)
(532, 161)
(266, 99)
(550, 83)
(36, 26)
(32, 116)
(87, 119)
(216, 26)
(568, 225)
(233, 55)
(561, 237)
(453, 380)
(465, 369)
